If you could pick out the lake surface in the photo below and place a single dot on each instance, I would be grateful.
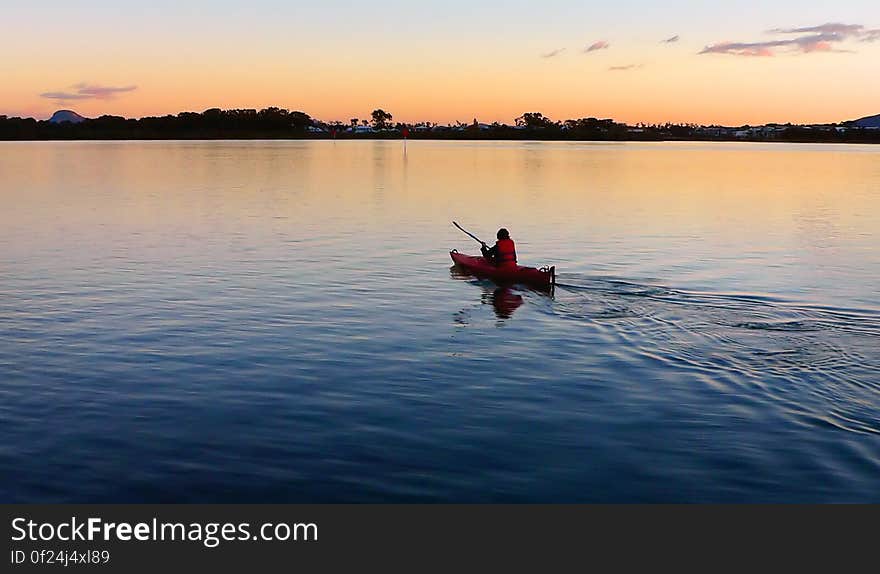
(278, 322)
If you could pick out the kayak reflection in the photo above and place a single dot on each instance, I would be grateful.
(505, 299)
(505, 302)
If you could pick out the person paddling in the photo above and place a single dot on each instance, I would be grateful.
(503, 253)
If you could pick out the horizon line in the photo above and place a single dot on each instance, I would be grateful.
(423, 122)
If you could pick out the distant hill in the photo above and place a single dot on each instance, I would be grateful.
(868, 122)
(66, 116)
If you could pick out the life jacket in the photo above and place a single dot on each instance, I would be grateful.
(506, 254)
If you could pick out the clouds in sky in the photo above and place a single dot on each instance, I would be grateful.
(870, 35)
(599, 45)
(828, 37)
(595, 46)
(553, 53)
(807, 40)
(85, 91)
(624, 68)
(805, 45)
(829, 28)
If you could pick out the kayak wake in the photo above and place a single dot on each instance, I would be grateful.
(763, 348)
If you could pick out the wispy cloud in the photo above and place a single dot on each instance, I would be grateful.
(810, 39)
(85, 91)
(600, 45)
(827, 28)
(871, 35)
(805, 44)
(65, 96)
(554, 53)
(671, 40)
(839, 30)
(624, 67)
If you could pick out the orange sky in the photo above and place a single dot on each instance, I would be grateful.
(443, 63)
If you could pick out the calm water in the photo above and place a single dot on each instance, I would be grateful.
(278, 321)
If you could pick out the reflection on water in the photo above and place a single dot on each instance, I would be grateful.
(270, 321)
(504, 299)
(825, 358)
(505, 302)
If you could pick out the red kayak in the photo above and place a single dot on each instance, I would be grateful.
(479, 266)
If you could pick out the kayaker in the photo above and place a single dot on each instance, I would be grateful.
(503, 253)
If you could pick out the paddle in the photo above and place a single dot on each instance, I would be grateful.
(468, 233)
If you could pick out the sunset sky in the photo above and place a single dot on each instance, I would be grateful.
(632, 60)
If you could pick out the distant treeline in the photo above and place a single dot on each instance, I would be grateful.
(278, 123)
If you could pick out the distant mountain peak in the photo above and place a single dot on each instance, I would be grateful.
(66, 116)
(868, 122)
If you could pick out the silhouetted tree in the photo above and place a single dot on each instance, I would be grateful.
(300, 120)
(273, 122)
(381, 118)
(533, 120)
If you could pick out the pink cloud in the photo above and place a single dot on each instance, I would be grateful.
(761, 49)
(871, 35)
(85, 91)
(827, 28)
(811, 39)
(600, 45)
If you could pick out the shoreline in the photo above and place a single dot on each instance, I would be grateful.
(872, 141)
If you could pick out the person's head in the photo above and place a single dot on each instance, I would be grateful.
(503, 234)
